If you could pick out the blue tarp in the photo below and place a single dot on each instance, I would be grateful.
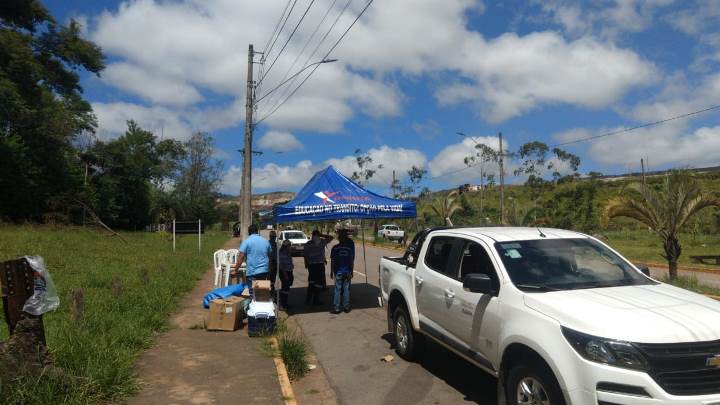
(223, 292)
(331, 196)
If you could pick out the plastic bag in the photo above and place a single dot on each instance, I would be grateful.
(223, 292)
(44, 298)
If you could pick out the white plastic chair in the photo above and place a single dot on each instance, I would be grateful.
(219, 258)
(231, 256)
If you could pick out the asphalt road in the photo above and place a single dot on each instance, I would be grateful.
(349, 348)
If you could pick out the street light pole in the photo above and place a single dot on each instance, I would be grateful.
(246, 190)
(502, 180)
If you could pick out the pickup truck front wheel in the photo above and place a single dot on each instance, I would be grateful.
(407, 341)
(532, 384)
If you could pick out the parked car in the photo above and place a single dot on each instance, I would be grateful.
(391, 232)
(297, 239)
(558, 316)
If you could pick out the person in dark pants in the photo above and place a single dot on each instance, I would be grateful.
(286, 274)
(273, 262)
(314, 253)
(342, 260)
(254, 250)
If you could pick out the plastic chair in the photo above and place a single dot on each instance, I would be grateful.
(219, 258)
(230, 260)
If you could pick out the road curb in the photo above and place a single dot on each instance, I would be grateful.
(283, 378)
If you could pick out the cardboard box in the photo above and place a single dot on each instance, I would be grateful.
(224, 314)
(261, 289)
(245, 293)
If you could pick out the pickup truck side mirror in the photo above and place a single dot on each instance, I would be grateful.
(478, 283)
(645, 270)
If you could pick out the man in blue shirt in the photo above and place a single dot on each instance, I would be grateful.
(255, 250)
(342, 260)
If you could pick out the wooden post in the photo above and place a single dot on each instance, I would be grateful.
(199, 236)
(173, 234)
(17, 284)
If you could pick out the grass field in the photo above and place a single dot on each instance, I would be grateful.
(102, 347)
(644, 246)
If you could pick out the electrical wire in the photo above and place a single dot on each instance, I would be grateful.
(277, 99)
(316, 67)
(297, 58)
(267, 49)
(649, 124)
(286, 42)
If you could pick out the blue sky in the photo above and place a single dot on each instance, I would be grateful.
(412, 74)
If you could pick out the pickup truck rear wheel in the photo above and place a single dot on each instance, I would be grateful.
(407, 341)
(532, 384)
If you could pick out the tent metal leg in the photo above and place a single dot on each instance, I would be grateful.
(362, 232)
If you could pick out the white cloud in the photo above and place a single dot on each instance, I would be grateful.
(572, 135)
(428, 129)
(668, 144)
(161, 89)
(398, 159)
(113, 117)
(516, 74)
(451, 158)
(177, 52)
(279, 141)
(276, 177)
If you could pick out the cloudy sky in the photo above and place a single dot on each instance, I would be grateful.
(409, 75)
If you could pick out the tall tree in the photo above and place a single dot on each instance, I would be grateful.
(481, 158)
(199, 180)
(366, 169)
(41, 107)
(664, 210)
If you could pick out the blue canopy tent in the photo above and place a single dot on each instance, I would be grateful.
(331, 196)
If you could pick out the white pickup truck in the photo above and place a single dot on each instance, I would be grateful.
(558, 316)
(391, 232)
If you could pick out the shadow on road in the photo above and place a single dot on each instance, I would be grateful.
(362, 296)
(476, 385)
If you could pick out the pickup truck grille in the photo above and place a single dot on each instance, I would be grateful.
(682, 368)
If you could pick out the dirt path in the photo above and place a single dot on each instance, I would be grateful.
(188, 365)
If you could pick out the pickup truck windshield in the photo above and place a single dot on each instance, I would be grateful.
(295, 235)
(565, 264)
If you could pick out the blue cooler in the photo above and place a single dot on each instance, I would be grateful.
(261, 318)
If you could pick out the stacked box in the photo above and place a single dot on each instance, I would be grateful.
(224, 314)
(261, 290)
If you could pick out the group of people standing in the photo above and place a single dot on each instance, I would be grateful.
(266, 261)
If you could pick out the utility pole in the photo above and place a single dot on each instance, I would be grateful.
(502, 180)
(642, 167)
(246, 191)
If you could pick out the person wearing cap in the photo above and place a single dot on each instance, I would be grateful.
(286, 273)
(255, 251)
(314, 254)
(342, 260)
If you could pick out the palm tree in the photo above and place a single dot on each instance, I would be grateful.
(665, 210)
(446, 207)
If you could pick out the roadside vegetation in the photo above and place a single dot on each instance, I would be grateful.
(128, 290)
(292, 348)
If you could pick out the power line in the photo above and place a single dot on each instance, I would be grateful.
(622, 131)
(312, 36)
(316, 67)
(286, 42)
(267, 49)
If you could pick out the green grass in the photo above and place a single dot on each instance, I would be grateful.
(691, 283)
(646, 246)
(292, 348)
(100, 350)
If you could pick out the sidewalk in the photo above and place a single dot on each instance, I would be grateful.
(189, 365)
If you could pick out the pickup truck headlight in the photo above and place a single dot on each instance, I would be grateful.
(607, 351)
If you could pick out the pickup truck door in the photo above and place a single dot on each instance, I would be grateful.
(473, 318)
(435, 286)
